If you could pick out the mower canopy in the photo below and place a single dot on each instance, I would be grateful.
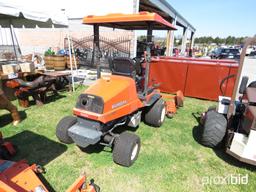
(138, 21)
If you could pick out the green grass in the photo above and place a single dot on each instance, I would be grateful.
(170, 158)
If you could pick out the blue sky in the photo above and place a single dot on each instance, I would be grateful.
(219, 17)
(210, 17)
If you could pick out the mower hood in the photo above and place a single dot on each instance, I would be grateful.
(115, 91)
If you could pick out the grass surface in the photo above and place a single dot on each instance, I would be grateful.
(170, 159)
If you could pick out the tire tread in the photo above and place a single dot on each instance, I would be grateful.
(214, 129)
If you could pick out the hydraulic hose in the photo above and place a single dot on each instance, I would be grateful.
(223, 81)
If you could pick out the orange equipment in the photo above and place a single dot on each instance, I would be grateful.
(20, 177)
(121, 99)
(173, 102)
(130, 21)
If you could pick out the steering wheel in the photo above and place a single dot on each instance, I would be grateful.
(138, 62)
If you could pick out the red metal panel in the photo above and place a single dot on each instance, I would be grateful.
(189, 59)
(170, 74)
(200, 78)
(203, 80)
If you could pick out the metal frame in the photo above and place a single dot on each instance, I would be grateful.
(238, 76)
(163, 8)
(96, 48)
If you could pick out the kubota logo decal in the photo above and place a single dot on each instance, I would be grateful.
(118, 104)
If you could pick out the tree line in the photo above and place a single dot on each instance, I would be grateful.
(230, 40)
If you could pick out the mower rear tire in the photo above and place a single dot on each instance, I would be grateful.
(214, 129)
(126, 149)
(62, 129)
(155, 115)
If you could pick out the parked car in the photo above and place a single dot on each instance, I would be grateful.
(225, 53)
(252, 54)
(249, 50)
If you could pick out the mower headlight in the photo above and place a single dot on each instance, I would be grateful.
(90, 103)
(39, 189)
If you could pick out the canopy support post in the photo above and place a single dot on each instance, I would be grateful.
(96, 49)
(13, 43)
(70, 60)
(74, 56)
(148, 56)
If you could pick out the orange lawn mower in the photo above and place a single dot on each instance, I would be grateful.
(21, 177)
(121, 99)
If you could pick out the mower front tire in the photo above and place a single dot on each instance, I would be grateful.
(126, 149)
(214, 129)
(62, 129)
(155, 115)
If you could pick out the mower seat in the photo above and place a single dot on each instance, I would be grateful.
(251, 95)
(123, 66)
(248, 120)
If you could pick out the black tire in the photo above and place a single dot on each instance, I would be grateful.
(153, 115)
(212, 108)
(62, 129)
(124, 146)
(203, 115)
(214, 129)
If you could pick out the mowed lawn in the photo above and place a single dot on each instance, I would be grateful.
(170, 159)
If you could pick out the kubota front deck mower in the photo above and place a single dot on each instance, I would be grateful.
(121, 99)
(234, 121)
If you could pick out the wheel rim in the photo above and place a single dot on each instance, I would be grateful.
(134, 151)
(162, 115)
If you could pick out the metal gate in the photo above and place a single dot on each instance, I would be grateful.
(109, 48)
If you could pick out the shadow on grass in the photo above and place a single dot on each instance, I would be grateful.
(49, 99)
(220, 150)
(97, 148)
(197, 133)
(36, 148)
(7, 118)
(53, 98)
(197, 130)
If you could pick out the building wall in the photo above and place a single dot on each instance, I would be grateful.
(38, 40)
